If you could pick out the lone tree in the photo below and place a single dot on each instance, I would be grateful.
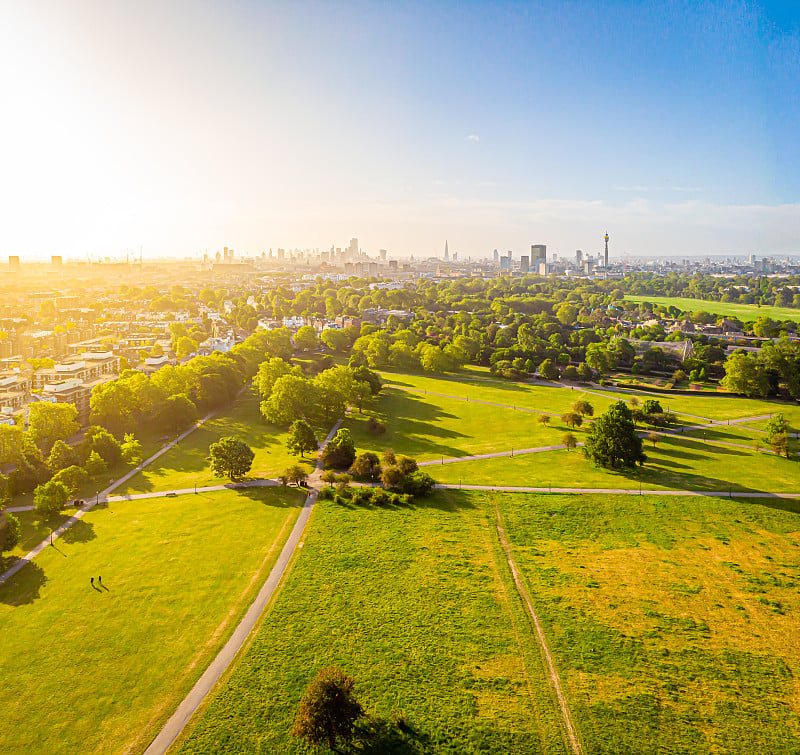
(612, 441)
(778, 435)
(544, 420)
(296, 474)
(572, 419)
(570, 441)
(329, 710)
(301, 438)
(230, 457)
(583, 408)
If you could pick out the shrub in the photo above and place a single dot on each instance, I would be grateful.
(406, 465)
(418, 483)
(375, 427)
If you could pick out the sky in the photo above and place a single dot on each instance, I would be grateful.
(181, 127)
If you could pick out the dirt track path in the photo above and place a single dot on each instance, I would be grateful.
(570, 732)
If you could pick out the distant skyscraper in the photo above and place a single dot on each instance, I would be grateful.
(524, 264)
(382, 253)
(354, 247)
(538, 254)
(578, 257)
(446, 252)
(505, 263)
(605, 256)
(496, 257)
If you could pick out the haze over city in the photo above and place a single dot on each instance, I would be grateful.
(181, 127)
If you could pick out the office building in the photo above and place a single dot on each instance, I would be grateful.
(538, 254)
(524, 264)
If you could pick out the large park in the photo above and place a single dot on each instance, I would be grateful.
(666, 592)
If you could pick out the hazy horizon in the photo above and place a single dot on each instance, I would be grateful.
(181, 127)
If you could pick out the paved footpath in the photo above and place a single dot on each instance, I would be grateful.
(189, 705)
(102, 496)
(618, 491)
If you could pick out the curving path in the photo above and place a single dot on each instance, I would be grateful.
(101, 496)
(189, 705)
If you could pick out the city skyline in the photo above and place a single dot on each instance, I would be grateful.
(179, 128)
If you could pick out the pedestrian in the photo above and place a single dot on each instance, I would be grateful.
(91, 581)
(100, 581)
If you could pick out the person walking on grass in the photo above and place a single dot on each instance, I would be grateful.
(100, 581)
(91, 581)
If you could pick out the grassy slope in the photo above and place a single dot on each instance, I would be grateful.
(417, 605)
(89, 671)
(745, 312)
(186, 464)
(428, 427)
(673, 621)
(675, 463)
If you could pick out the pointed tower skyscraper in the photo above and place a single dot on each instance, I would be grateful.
(446, 252)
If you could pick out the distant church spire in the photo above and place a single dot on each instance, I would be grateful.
(446, 252)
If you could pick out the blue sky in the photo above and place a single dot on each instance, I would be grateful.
(184, 126)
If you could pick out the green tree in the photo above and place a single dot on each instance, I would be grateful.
(572, 419)
(104, 443)
(49, 498)
(584, 408)
(10, 531)
(131, 449)
(230, 457)
(74, 478)
(328, 710)
(366, 464)
(61, 456)
(548, 370)
(296, 474)
(96, 465)
(391, 476)
(612, 441)
(48, 423)
(745, 375)
(291, 398)
(185, 347)
(543, 420)
(269, 372)
(569, 440)
(335, 340)
(306, 338)
(177, 412)
(340, 452)
(301, 438)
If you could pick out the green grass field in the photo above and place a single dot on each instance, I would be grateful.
(675, 463)
(419, 607)
(89, 670)
(744, 312)
(672, 621)
(187, 464)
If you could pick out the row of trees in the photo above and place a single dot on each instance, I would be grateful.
(174, 397)
(287, 395)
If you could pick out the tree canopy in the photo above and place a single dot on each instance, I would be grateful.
(612, 441)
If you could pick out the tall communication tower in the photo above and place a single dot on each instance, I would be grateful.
(605, 259)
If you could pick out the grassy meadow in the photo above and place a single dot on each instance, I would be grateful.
(99, 670)
(186, 464)
(744, 312)
(674, 463)
(417, 604)
(672, 620)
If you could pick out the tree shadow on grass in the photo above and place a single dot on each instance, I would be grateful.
(377, 736)
(260, 495)
(80, 532)
(23, 588)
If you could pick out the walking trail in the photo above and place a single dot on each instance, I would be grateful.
(554, 678)
(189, 705)
(102, 496)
